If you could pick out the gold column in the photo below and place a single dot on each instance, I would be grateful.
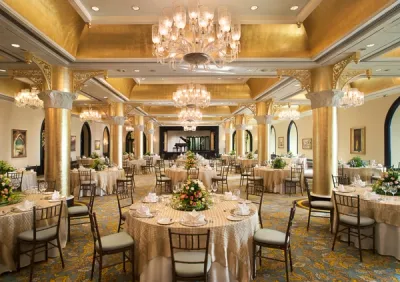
(323, 102)
(212, 145)
(57, 107)
(240, 123)
(263, 120)
(228, 136)
(117, 121)
(139, 128)
(150, 136)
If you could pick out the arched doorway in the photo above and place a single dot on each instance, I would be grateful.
(106, 142)
(129, 142)
(272, 140)
(40, 170)
(248, 141)
(392, 135)
(144, 144)
(86, 140)
(292, 138)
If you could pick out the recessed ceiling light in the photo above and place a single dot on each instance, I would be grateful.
(378, 70)
(253, 8)
(105, 97)
(15, 45)
(136, 70)
(96, 9)
(219, 78)
(143, 78)
(297, 85)
(371, 45)
(135, 8)
(294, 8)
(3, 70)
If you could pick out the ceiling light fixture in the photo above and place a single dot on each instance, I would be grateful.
(352, 98)
(136, 70)
(135, 8)
(15, 45)
(294, 8)
(371, 45)
(190, 115)
(191, 95)
(90, 115)
(207, 42)
(378, 70)
(96, 9)
(297, 85)
(189, 126)
(28, 99)
(288, 113)
(253, 8)
(2, 70)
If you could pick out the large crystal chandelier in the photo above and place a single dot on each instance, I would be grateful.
(198, 41)
(130, 128)
(90, 115)
(194, 95)
(189, 126)
(288, 114)
(28, 99)
(352, 98)
(190, 115)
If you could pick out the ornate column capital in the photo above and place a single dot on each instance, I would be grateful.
(240, 126)
(57, 99)
(229, 130)
(264, 119)
(150, 131)
(117, 120)
(327, 98)
(139, 127)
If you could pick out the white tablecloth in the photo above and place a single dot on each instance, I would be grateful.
(230, 243)
(247, 162)
(180, 174)
(273, 178)
(138, 164)
(106, 180)
(28, 180)
(365, 173)
(13, 224)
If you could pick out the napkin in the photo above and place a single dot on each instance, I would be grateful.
(83, 157)
(75, 170)
(359, 183)
(143, 210)
(243, 209)
(194, 217)
(55, 195)
(228, 196)
(92, 170)
(256, 165)
(379, 165)
(25, 206)
(341, 188)
(81, 168)
(151, 197)
(174, 166)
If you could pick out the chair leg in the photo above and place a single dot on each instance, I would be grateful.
(286, 265)
(46, 249)
(331, 220)
(17, 256)
(290, 258)
(348, 236)
(359, 243)
(60, 251)
(69, 230)
(254, 260)
(373, 239)
(309, 217)
(132, 253)
(123, 260)
(32, 261)
(334, 239)
(93, 263)
(100, 267)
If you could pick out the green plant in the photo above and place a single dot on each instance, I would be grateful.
(232, 153)
(290, 154)
(278, 163)
(147, 154)
(94, 155)
(356, 162)
(250, 156)
(99, 165)
(5, 167)
(125, 153)
(193, 196)
(390, 177)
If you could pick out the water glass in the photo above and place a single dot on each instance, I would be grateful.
(236, 192)
(393, 189)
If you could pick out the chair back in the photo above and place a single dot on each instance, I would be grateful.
(232, 161)
(85, 179)
(224, 172)
(189, 242)
(340, 179)
(157, 171)
(245, 169)
(149, 161)
(16, 179)
(347, 205)
(129, 170)
(212, 162)
(94, 227)
(49, 184)
(51, 216)
(193, 173)
(296, 172)
(307, 185)
(125, 164)
(255, 193)
(341, 170)
(290, 223)
(124, 195)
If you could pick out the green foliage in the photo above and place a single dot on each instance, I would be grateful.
(94, 155)
(232, 153)
(250, 156)
(5, 167)
(99, 165)
(356, 162)
(278, 163)
(147, 154)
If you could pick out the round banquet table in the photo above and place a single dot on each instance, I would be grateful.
(13, 223)
(273, 178)
(386, 214)
(138, 164)
(29, 179)
(247, 162)
(106, 180)
(365, 173)
(230, 242)
(180, 175)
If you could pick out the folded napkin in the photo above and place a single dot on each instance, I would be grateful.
(55, 195)
(194, 217)
(81, 168)
(379, 165)
(75, 170)
(341, 188)
(25, 206)
(92, 170)
(151, 197)
(256, 165)
(143, 210)
(228, 196)
(243, 209)
(359, 183)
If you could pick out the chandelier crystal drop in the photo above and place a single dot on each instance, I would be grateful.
(190, 115)
(28, 99)
(193, 95)
(192, 36)
(90, 115)
(352, 98)
(289, 114)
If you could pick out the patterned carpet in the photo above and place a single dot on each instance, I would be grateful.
(312, 256)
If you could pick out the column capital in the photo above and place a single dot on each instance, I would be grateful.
(150, 131)
(117, 120)
(264, 119)
(139, 127)
(326, 98)
(240, 126)
(229, 130)
(57, 99)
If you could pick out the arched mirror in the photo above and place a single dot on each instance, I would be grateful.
(392, 135)
(293, 138)
(106, 142)
(272, 140)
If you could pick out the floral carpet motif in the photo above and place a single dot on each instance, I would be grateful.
(312, 256)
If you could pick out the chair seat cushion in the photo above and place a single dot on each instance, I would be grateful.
(294, 179)
(256, 178)
(164, 178)
(191, 270)
(269, 236)
(77, 210)
(42, 234)
(115, 241)
(322, 205)
(218, 178)
(352, 220)
(246, 174)
(88, 182)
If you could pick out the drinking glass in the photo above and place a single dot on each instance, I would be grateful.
(175, 189)
(214, 187)
(236, 192)
(393, 190)
(385, 188)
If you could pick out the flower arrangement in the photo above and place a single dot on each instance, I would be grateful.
(390, 177)
(193, 196)
(94, 155)
(190, 160)
(99, 165)
(5, 167)
(278, 163)
(125, 153)
(232, 153)
(356, 162)
(250, 156)
(147, 154)
(7, 195)
(290, 154)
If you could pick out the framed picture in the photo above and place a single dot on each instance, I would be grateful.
(281, 141)
(357, 141)
(97, 144)
(73, 143)
(18, 143)
(307, 143)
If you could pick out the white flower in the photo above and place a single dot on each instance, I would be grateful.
(3, 184)
(192, 188)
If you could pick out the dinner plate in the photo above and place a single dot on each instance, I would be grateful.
(165, 221)
(138, 215)
(149, 202)
(235, 212)
(191, 224)
(234, 218)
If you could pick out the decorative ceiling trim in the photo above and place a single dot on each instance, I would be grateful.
(79, 78)
(44, 66)
(348, 76)
(340, 66)
(36, 76)
(303, 76)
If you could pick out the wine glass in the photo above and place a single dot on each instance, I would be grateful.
(214, 187)
(385, 188)
(236, 192)
(393, 190)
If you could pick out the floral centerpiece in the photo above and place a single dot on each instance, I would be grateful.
(390, 178)
(250, 156)
(193, 196)
(5, 167)
(7, 195)
(356, 162)
(278, 163)
(94, 155)
(232, 153)
(290, 154)
(190, 160)
(99, 165)
(147, 154)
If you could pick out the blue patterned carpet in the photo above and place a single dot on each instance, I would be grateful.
(312, 256)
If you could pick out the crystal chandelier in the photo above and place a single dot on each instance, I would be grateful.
(28, 99)
(189, 126)
(352, 98)
(90, 115)
(288, 114)
(206, 42)
(194, 95)
(130, 128)
(190, 115)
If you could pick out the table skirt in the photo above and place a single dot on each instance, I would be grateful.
(29, 179)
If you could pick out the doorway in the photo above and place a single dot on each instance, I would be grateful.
(86, 140)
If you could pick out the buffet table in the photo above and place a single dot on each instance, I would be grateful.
(13, 223)
(180, 175)
(230, 242)
(365, 173)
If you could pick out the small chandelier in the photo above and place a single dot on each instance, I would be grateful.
(207, 42)
(130, 128)
(28, 99)
(194, 95)
(352, 98)
(190, 115)
(90, 115)
(288, 114)
(189, 126)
